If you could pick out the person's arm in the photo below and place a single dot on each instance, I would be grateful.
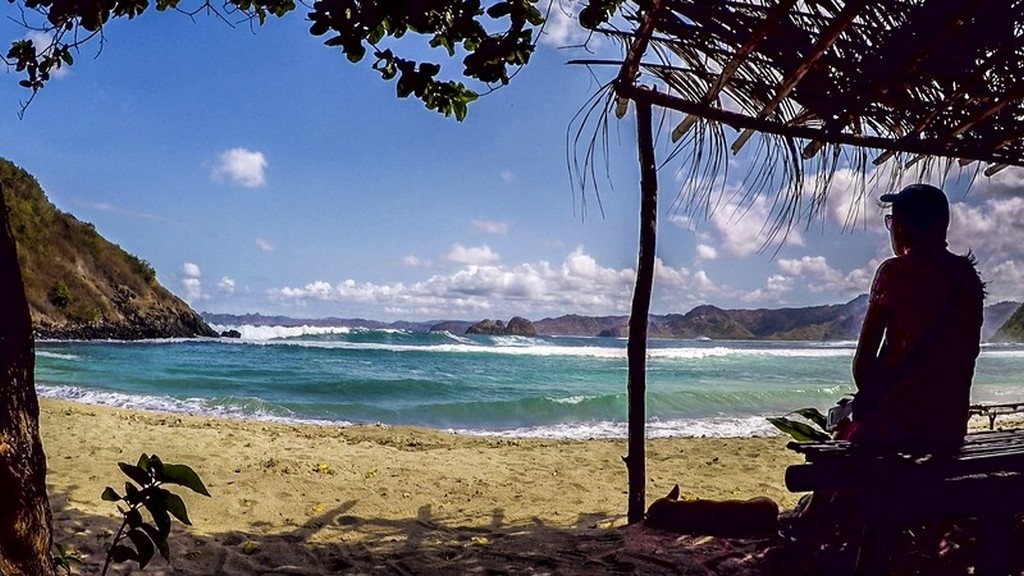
(866, 360)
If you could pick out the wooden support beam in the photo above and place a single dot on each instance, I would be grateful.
(742, 121)
(636, 345)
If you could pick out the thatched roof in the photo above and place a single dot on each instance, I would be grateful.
(885, 80)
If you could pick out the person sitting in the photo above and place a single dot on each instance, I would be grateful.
(916, 353)
(921, 335)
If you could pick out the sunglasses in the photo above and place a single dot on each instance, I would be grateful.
(888, 221)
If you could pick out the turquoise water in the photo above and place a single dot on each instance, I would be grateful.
(557, 387)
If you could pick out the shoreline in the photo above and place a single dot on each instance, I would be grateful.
(300, 493)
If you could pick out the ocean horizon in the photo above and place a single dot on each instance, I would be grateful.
(557, 387)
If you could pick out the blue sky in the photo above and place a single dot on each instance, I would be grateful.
(259, 171)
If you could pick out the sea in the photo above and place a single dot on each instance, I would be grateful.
(558, 387)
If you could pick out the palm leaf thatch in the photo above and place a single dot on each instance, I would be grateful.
(897, 84)
(823, 84)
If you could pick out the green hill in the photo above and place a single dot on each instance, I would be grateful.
(78, 284)
(1013, 329)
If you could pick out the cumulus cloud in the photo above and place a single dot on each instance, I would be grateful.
(562, 27)
(743, 229)
(265, 245)
(241, 167)
(491, 226)
(705, 252)
(578, 284)
(191, 281)
(1007, 181)
(411, 261)
(473, 255)
(226, 285)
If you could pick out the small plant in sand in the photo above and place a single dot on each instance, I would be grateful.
(803, 431)
(66, 558)
(136, 539)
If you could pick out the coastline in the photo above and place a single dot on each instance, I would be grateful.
(319, 500)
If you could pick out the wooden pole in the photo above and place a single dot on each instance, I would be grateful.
(636, 346)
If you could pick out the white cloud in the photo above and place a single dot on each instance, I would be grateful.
(242, 167)
(508, 176)
(579, 284)
(705, 252)
(411, 261)
(491, 226)
(190, 270)
(191, 282)
(743, 229)
(474, 255)
(226, 284)
(562, 27)
(1005, 281)
(1009, 180)
(265, 245)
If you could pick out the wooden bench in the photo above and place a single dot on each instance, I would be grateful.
(992, 410)
(985, 480)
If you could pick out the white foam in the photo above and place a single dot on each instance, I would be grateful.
(717, 427)
(247, 409)
(251, 332)
(572, 399)
(58, 355)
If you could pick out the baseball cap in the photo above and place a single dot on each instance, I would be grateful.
(923, 204)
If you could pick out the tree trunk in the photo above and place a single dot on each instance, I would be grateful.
(25, 519)
(636, 346)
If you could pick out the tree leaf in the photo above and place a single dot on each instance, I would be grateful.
(140, 476)
(158, 510)
(158, 539)
(121, 553)
(183, 475)
(813, 415)
(110, 495)
(143, 545)
(143, 461)
(176, 506)
(799, 431)
(133, 517)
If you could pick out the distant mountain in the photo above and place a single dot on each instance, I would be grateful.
(831, 322)
(816, 323)
(996, 316)
(78, 284)
(1013, 329)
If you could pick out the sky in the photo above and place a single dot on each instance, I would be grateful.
(258, 170)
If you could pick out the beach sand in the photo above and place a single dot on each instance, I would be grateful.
(292, 499)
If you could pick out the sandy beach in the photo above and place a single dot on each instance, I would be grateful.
(385, 500)
(291, 500)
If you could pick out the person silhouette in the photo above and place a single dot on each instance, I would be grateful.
(921, 335)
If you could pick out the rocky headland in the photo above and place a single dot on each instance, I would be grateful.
(79, 285)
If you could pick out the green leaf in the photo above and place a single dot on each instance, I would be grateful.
(813, 415)
(158, 510)
(143, 461)
(133, 518)
(799, 431)
(110, 495)
(143, 545)
(176, 506)
(140, 476)
(159, 539)
(183, 475)
(121, 553)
